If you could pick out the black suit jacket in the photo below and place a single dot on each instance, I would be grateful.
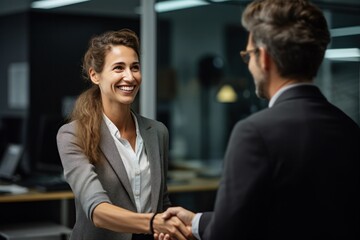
(290, 172)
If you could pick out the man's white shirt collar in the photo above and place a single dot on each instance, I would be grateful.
(283, 89)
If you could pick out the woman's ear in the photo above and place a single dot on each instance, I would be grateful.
(94, 76)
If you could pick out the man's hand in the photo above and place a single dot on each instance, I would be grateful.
(184, 215)
(171, 227)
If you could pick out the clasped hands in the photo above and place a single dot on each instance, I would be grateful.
(174, 223)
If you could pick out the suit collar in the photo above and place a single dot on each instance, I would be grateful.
(112, 155)
(300, 91)
(285, 88)
(151, 143)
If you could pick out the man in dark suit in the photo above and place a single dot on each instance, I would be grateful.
(291, 171)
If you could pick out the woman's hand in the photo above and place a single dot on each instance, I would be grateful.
(166, 228)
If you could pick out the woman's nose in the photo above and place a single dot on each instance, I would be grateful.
(128, 75)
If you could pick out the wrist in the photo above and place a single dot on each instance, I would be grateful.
(151, 223)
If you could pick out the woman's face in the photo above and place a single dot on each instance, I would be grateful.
(120, 78)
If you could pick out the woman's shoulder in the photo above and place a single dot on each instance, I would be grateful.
(68, 127)
(66, 133)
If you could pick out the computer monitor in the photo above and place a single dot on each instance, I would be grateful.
(10, 161)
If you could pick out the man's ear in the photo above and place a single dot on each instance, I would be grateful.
(94, 76)
(265, 59)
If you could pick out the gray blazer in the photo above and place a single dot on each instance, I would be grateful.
(107, 181)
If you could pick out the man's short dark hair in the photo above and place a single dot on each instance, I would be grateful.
(294, 32)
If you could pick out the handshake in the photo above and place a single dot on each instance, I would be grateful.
(174, 223)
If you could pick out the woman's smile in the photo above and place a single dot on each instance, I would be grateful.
(127, 89)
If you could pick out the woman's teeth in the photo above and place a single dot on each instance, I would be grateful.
(126, 88)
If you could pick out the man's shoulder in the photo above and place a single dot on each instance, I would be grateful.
(254, 121)
(258, 117)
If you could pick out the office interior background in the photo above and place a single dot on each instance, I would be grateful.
(202, 86)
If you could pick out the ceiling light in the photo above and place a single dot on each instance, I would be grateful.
(343, 54)
(167, 6)
(47, 4)
(345, 31)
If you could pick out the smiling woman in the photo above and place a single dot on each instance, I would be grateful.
(114, 159)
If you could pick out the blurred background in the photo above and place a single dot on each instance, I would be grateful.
(202, 86)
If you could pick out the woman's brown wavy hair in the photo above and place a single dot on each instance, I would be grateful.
(88, 108)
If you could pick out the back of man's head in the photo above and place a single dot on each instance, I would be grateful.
(294, 33)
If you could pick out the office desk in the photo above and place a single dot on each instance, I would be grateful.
(195, 185)
(197, 194)
(191, 185)
(34, 195)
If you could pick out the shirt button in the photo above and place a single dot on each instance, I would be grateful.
(137, 192)
(137, 172)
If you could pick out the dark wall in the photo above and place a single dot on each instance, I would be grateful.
(13, 49)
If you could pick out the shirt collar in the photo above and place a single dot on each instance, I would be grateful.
(283, 89)
(114, 130)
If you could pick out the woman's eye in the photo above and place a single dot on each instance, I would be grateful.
(135, 68)
(118, 68)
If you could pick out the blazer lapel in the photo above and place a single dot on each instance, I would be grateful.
(112, 155)
(151, 143)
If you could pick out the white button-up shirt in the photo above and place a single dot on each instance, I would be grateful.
(136, 164)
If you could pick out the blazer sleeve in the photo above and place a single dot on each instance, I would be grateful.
(205, 219)
(240, 194)
(79, 172)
